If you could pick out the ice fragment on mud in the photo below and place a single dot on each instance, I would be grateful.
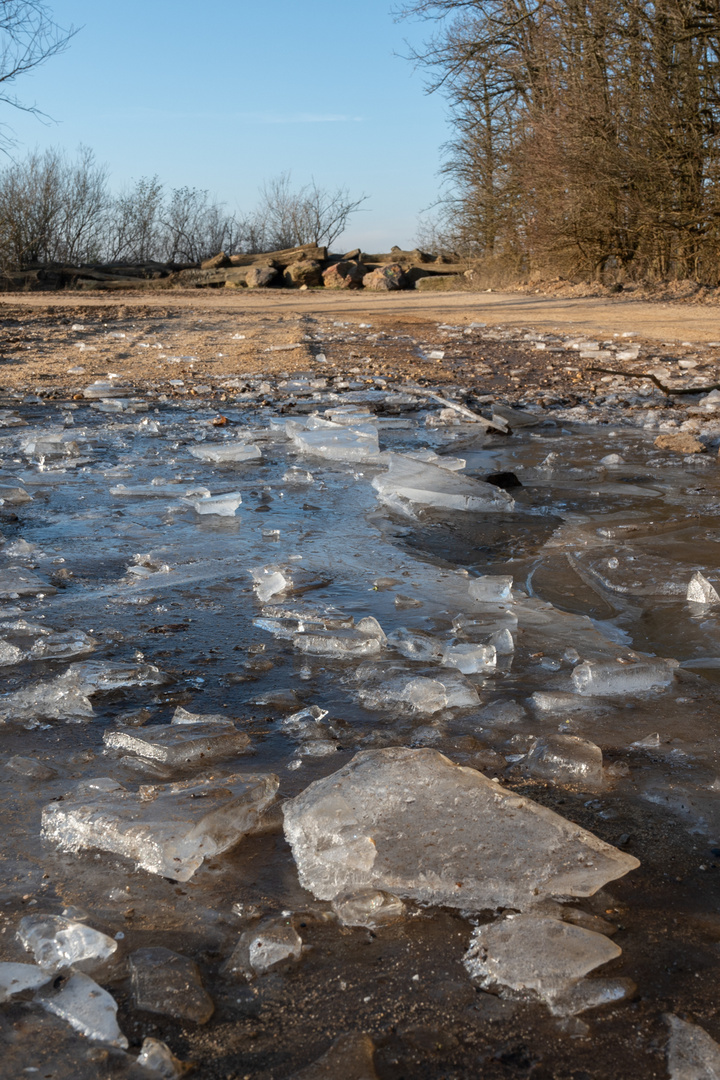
(166, 982)
(180, 744)
(691, 1053)
(566, 759)
(159, 1058)
(57, 942)
(605, 678)
(409, 483)
(87, 1007)
(14, 978)
(167, 829)
(542, 955)
(700, 591)
(264, 947)
(413, 824)
(368, 907)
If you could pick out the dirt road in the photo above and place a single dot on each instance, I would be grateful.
(592, 316)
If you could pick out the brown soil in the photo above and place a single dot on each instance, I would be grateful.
(197, 329)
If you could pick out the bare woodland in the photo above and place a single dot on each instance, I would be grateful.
(585, 134)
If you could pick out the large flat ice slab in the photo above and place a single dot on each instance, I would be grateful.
(167, 829)
(413, 824)
(409, 483)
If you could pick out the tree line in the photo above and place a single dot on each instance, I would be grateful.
(57, 208)
(585, 134)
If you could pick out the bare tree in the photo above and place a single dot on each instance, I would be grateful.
(134, 222)
(311, 214)
(193, 227)
(28, 37)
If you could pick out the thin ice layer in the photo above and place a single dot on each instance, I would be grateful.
(167, 829)
(411, 823)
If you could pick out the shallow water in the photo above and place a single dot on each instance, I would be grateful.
(601, 556)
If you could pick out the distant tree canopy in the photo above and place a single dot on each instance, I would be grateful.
(56, 208)
(586, 132)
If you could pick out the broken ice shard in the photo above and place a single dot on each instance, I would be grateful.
(412, 823)
(157, 1057)
(14, 978)
(368, 907)
(167, 829)
(180, 744)
(230, 451)
(87, 1007)
(490, 588)
(58, 942)
(470, 659)
(264, 947)
(166, 982)
(700, 591)
(605, 678)
(542, 955)
(409, 483)
(420, 695)
(365, 639)
(323, 438)
(222, 505)
(691, 1053)
(566, 759)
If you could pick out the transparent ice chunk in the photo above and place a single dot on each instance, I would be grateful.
(230, 451)
(700, 591)
(566, 759)
(691, 1053)
(264, 947)
(411, 823)
(323, 438)
(420, 695)
(57, 942)
(159, 1058)
(14, 978)
(166, 982)
(470, 659)
(87, 1007)
(222, 505)
(605, 678)
(408, 484)
(490, 588)
(180, 744)
(15, 581)
(167, 829)
(535, 953)
(368, 907)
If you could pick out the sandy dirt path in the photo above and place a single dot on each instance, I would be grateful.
(592, 316)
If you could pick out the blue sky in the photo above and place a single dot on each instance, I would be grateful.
(226, 94)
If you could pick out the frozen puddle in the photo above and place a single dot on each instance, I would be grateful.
(368, 703)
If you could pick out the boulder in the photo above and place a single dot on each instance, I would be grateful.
(344, 275)
(217, 262)
(260, 277)
(308, 272)
(385, 278)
